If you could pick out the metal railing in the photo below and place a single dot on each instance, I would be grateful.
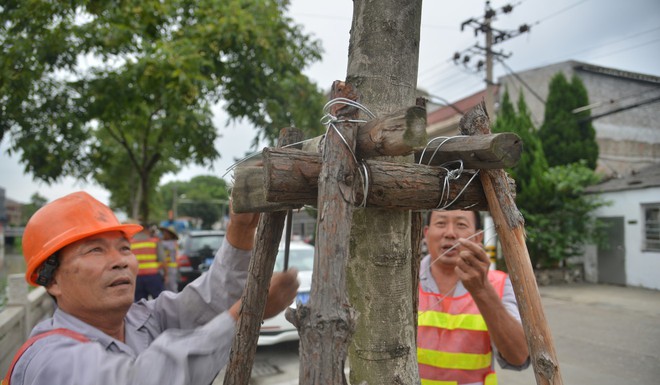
(23, 311)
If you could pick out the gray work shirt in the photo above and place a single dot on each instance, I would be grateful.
(178, 338)
(428, 284)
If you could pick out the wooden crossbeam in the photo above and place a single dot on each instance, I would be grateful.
(289, 177)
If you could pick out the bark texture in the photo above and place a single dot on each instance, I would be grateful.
(327, 321)
(382, 64)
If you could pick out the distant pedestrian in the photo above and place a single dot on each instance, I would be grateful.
(169, 241)
(151, 264)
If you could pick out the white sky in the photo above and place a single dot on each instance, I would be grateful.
(612, 33)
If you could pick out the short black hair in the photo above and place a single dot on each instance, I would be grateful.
(477, 218)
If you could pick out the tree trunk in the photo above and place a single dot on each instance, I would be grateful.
(382, 64)
(144, 198)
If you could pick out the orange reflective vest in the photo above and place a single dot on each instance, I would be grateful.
(146, 252)
(65, 332)
(453, 344)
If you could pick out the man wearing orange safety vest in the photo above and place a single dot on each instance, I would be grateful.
(468, 315)
(151, 261)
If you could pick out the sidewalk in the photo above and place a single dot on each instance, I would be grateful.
(617, 297)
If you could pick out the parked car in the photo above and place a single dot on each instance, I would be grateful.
(278, 329)
(197, 249)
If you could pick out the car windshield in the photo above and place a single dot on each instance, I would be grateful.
(301, 259)
(206, 243)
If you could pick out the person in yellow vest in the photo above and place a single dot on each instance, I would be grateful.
(152, 268)
(168, 240)
(468, 314)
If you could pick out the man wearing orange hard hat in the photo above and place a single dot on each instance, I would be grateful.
(78, 250)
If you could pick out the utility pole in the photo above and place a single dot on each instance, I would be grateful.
(492, 37)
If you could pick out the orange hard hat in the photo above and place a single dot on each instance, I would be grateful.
(64, 221)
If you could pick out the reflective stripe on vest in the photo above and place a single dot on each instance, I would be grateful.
(61, 331)
(453, 344)
(145, 250)
(451, 322)
(170, 249)
(465, 361)
(491, 379)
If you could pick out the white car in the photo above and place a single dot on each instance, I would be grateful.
(278, 329)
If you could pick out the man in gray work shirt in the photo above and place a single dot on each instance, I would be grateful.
(76, 248)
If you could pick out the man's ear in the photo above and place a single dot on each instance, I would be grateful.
(479, 238)
(53, 287)
(426, 230)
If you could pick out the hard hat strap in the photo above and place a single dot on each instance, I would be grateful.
(47, 270)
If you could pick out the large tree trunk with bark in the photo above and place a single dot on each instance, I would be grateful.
(382, 65)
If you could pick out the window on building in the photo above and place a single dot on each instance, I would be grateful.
(652, 227)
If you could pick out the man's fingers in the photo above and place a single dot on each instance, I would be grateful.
(476, 250)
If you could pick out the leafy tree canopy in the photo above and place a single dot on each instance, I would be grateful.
(561, 226)
(205, 197)
(558, 215)
(122, 90)
(532, 163)
(568, 137)
(37, 201)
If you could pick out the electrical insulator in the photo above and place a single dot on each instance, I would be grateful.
(507, 8)
(466, 59)
(480, 65)
(523, 28)
(457, 56)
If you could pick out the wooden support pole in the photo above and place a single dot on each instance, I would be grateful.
(490, 151)
(509, 224)
(291, 178)
(249, 193)
(327, 321)
(501, 150)
(396, 134)
(260, 271)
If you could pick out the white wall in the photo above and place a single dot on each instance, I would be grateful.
(642, 267)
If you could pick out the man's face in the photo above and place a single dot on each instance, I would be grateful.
(95, 275)
(444, 228)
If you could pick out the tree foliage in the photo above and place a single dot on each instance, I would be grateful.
(205, 197)
(121, 91)
(558, 215)
(568, 137)
(529, 187)
(37, 201)
(564, 223)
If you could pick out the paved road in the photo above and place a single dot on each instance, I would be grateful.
(604, 335)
